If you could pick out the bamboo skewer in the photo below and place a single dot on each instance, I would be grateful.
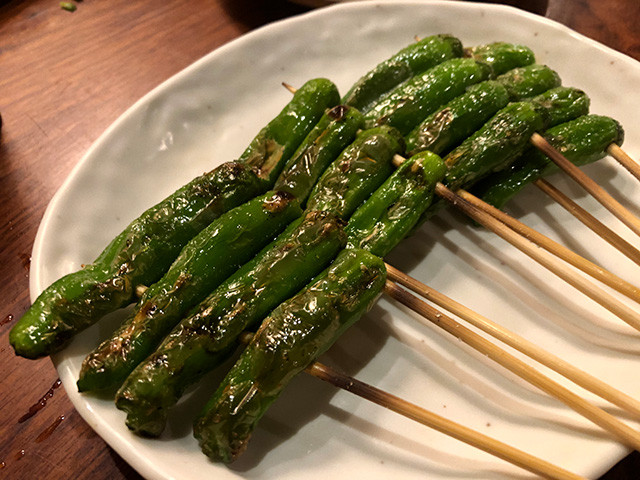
(441, 424)
(515, 341)
(624, 159)
(566, 254)
(598, 416)
(544, 258)
(606, 200)
(448, 427)
(589, 220)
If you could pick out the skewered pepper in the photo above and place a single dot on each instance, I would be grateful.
(204, 263)
(446, 128)
(407, 105)
(498, 143)
(563, 104)
(203, 340)
(143, 252)
(462, 116)
(582, 141)
(334, 132)
(357, 173)
(528, 81)
(294, 335)
(501, 56)
(394, 209)
(408, 62)
(109, 364)
(274, 145)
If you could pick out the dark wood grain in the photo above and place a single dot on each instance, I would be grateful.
(64, 78)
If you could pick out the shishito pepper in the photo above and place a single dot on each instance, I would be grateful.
(276, 143)
(406, 106)
(204, 263)
(582, 141)
(498, 143)
(563, 104)
(108, 365)
(334, 132)
(446, 128)
(204, 338)
(359, 170)
(143, 252)
(502, 56)
(295, 334)
(524, 82)
(408, 62)
(394, 209)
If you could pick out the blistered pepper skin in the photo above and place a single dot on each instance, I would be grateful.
(139, 255)
(498, 143)
(395, 208)
(406, 106)
(525, 82)
(582, 141)
(502, 56)
(458, 119)
(563, 104)
(203, 264)
(359, 170)
(295, 334)
(143, 252)
(274, 145)
(334, 132)
(202, 340)
(408, 62)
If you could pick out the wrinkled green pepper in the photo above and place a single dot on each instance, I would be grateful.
(406, 106)
(357, 173)
(394, 209)
(204, 263)
(295, 334)
(582, 141)
(202, 340)
(408, 62)
(502, 56)
(143, 252)
(334, 132)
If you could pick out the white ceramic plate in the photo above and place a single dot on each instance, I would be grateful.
(208, 113)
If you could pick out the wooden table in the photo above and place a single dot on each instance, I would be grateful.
(64, 78)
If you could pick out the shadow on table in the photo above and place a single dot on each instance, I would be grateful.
(255, 13)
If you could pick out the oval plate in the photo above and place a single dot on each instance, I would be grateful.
(207, 114)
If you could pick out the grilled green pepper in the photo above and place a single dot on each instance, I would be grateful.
(528, 81)
(410, 103)
(271, 149)
(143, 252)
(139, 255)
(446, 128)
(334, 132)
(295, 334)
(498, 143)
(501, 56)
(563, 104)
(204, 263)
(409, 61)
(394, 209)
(203, 340)
(582, 141)
(357, 173)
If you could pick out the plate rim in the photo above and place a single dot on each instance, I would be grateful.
(36, 282)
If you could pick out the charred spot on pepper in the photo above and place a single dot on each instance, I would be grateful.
(338, 112)
(278, 202)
